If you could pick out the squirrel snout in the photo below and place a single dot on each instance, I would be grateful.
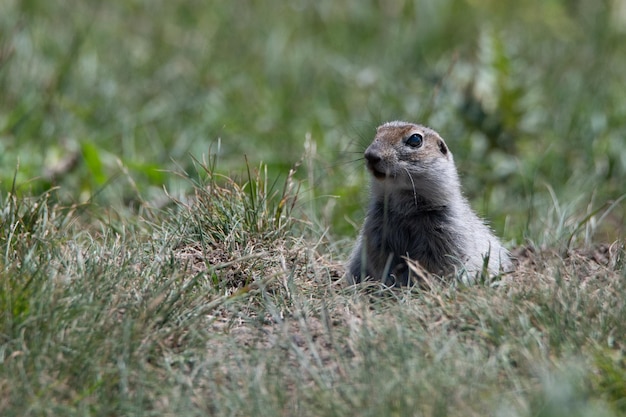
(372, 156)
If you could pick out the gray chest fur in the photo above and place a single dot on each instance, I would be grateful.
(441, 239)
(423, 234)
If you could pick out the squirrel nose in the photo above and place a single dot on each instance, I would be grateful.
(372, 156)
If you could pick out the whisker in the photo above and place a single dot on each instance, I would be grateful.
(354, 168)
(413, 184)
(347, 162)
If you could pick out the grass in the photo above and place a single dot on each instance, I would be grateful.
(139, 277)
(229, 303)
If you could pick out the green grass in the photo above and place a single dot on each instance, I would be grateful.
(230, 303)
(181, 182)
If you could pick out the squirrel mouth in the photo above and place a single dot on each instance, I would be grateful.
(378, 174)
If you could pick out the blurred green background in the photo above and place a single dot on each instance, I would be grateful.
(105, 99)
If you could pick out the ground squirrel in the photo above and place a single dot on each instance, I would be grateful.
(417, 211)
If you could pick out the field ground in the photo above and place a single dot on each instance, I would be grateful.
(181, 182)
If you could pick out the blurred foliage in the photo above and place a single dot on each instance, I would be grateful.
(101, 98)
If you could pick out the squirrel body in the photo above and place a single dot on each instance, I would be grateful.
(418, 212)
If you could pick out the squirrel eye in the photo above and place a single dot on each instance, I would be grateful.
(415, 140)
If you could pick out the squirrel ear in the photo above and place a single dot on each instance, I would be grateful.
(443, 148)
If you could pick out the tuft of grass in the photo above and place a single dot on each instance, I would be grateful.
(226, 220)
